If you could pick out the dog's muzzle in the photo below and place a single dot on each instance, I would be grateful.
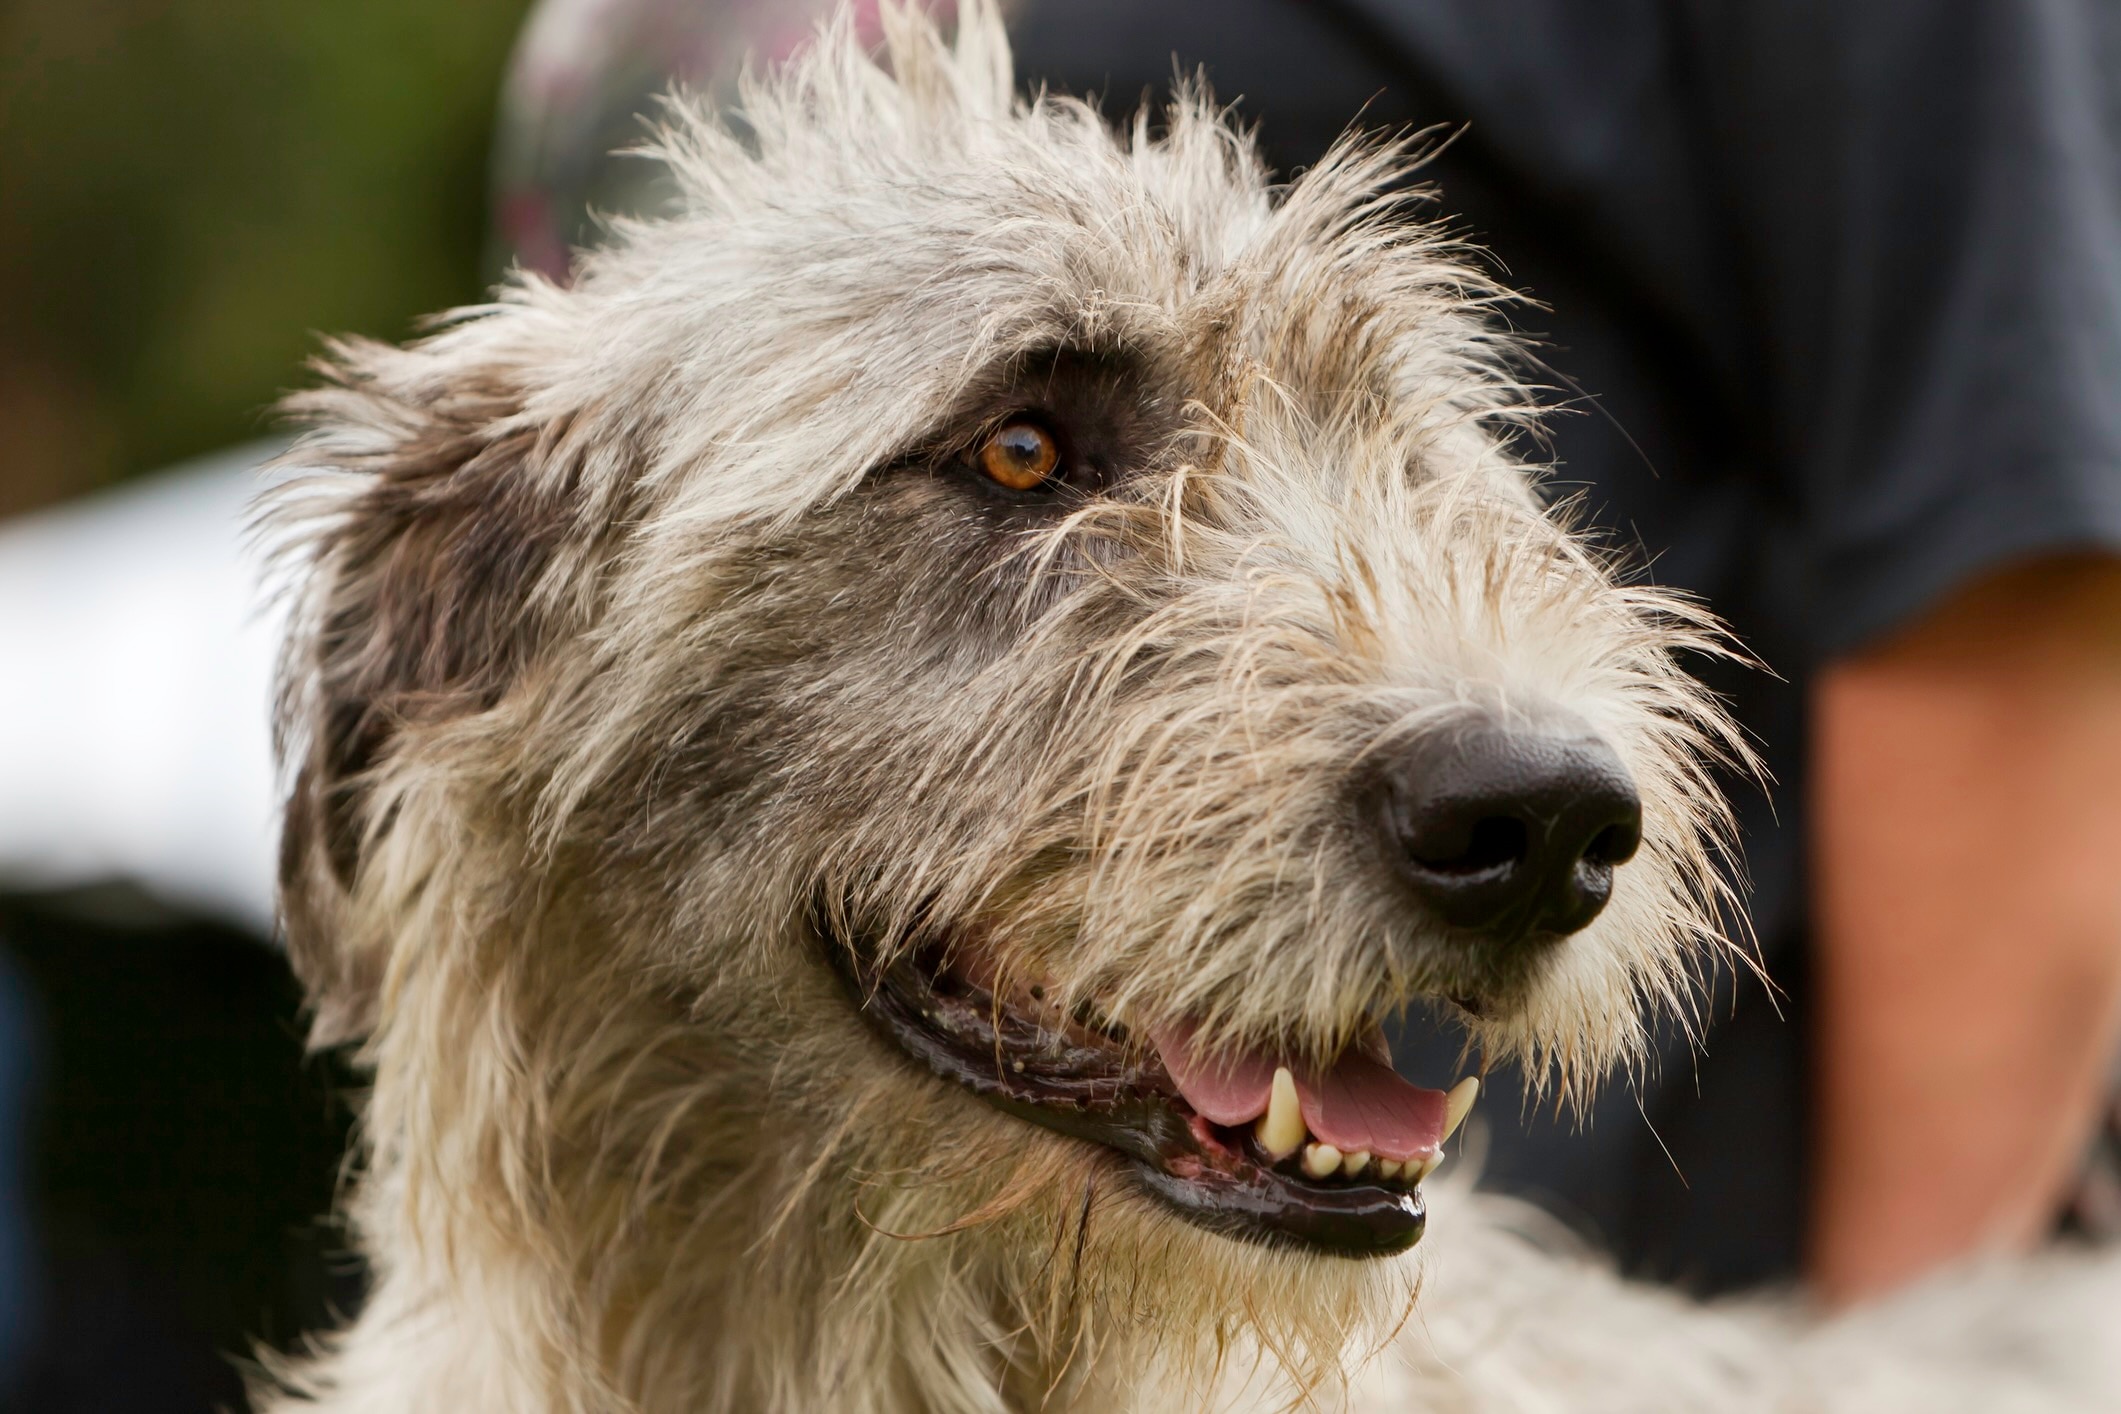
(1241, 1143)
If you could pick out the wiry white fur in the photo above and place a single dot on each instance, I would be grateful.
(1517, 1320)
(623, 645)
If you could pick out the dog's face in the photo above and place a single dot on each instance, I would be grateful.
(1007, 652)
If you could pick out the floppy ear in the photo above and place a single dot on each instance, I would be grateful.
(425, 515)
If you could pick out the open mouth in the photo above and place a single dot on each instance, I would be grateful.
(1245, 1144)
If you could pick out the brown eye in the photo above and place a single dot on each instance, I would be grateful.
(1020, 455)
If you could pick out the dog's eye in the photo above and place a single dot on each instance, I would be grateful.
(1020, 455)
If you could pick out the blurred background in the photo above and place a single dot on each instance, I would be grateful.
(193, 189)
(189, 192)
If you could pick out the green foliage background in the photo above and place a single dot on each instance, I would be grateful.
(191, 190)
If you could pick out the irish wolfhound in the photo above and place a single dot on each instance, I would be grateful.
(867, 772)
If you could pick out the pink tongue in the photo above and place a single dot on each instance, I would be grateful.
(1358, 1103)
(1226, 1089)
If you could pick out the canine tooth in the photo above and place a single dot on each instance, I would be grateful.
(1388, 1168)
(1355, 1163)
(1458, 1104)
(1321, 1160)
(1424, 1168)
(1280, 1130)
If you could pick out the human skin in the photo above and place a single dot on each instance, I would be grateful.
(1966, 775)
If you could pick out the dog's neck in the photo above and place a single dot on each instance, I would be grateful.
(627, 1222)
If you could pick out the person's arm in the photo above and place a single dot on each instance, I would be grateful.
(1966, 789)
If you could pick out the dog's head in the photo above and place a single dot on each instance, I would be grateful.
(961, 675)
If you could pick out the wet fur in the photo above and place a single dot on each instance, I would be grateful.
(651, 633)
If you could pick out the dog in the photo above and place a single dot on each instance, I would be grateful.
(864, 776)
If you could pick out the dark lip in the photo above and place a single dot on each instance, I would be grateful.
(1086, 1083)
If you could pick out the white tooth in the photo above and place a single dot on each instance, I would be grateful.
(1424, 1168)
(1280, 1130)
(1321, 1160)
(1458, 1104)
(1388, 1168)
(1355, 1163)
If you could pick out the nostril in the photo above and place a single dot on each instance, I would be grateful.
(1615, 844)
(1495, 841)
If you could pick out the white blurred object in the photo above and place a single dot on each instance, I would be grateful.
(136, 660)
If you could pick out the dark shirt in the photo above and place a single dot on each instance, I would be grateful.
(1832, 304)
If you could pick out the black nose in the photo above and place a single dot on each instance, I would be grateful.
(1511, 833)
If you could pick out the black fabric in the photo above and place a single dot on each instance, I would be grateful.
(1833, 302)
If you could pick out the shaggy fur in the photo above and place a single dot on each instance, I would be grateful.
(653, 641)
